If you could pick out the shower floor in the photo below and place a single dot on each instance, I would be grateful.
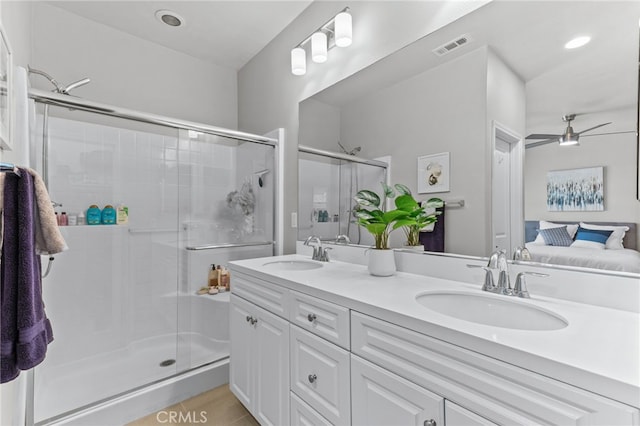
(84, 382)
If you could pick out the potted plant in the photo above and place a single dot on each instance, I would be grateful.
(372, 214)
(417, 218)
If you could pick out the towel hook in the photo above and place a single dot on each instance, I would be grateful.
(49, 264)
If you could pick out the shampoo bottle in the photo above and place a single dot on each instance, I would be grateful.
(93, 215)
(109, 215)
(122, 214)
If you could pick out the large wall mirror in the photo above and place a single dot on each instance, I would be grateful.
(505, 71)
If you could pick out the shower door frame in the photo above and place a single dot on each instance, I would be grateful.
(66, 101)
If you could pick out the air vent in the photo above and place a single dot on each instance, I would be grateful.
(451, 45)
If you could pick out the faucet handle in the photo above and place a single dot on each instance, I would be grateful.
(489, 284)
(324, 254)
(520, 289)
(342, 239)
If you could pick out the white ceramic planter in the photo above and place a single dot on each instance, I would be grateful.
(382, 262)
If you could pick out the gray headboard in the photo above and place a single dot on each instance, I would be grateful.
(630, 238)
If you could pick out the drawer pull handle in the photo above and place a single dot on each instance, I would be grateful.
(313, 378)
(311, 317)
(430, 423)
(254, 321)
(249, 318)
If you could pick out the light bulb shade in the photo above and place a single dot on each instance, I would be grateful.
(343, 29)
(298, 61)
(319, 47)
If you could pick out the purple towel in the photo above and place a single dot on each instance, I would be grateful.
(434, 241)
(25, 331)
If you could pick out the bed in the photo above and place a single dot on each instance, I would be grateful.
(622, 260)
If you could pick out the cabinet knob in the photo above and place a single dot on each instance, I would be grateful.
(254, 321)
(430, 423)
(311, 317)
(249, 318)
(313, 378)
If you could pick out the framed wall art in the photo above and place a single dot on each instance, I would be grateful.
(576, 190)
(6, 85)
(433, 173)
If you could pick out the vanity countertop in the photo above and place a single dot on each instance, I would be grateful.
(598, 351)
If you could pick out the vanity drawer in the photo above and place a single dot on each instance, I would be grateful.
(495, 390)
(458, 416)
(320, 317)
(303, 415)
(320, 374)
(270, 297)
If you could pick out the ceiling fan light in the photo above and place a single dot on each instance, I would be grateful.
(568, 140)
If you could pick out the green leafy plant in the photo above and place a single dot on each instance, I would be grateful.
(416, 218)
(373, 215)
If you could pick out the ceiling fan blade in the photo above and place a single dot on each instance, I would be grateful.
(534, 144)
(542, 136)
(594, 127)
(610, 133)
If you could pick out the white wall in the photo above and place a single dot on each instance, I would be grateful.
(319, 125)
(268, 94)
(130, 72)
(616, 153)
(421, 116)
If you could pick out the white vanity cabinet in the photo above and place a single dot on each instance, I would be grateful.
(381, 398)
(259, 367)
(298, 359)
(494, 390)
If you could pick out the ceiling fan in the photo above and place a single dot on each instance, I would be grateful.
(569, 137)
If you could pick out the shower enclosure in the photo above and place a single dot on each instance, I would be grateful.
(123, 300)
(327, 183)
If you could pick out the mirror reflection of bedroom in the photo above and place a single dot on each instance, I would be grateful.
(568, 116)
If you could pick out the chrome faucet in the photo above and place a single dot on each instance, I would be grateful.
(520, 290)
(504, 282)
(342, 239)
(521, 253)
(319, 253)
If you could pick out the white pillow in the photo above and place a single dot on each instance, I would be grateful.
(571, 229)
(614, 242)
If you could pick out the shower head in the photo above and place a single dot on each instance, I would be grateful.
(72, 86)
(58, 88)
(260, 175)
(354, 151)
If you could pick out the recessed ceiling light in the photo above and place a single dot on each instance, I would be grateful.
(170, 18)
(577, 42)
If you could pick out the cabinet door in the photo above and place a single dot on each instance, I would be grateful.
(320, 375)
(379, 397)
(458, 416)
(241, 336)
(271, 360)
(303, 415)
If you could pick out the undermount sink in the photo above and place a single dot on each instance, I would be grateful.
(494, 310)
(293, 265)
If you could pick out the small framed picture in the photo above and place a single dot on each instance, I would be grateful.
(433, 173)
(6, 86)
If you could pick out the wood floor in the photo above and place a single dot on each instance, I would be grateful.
(215, 407)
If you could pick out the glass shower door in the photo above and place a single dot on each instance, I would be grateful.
(111, 297)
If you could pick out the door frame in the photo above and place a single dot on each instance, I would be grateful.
(516, 177)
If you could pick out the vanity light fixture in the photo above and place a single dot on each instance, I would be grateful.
(577, 42)
(338, 31)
